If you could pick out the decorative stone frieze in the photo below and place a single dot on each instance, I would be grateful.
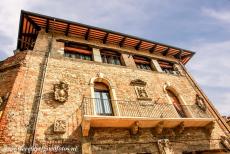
(60, 126)
(61, 92)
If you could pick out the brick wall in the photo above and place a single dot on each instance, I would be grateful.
(25, 82)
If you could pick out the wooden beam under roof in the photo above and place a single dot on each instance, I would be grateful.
(67, 29)
(87, 34)
(151, 50)
(47, 25)
(122, 42)
(137, 47)
(32, 22)
(178, 55)
(105, 38)
(165, 52)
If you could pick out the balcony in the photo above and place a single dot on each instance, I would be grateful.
(143, 114)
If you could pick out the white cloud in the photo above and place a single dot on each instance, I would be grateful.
(210, 67)
(221, 15)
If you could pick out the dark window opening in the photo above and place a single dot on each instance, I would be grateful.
(167, 67)
(142, 63)
(111, 57)
(78, 51)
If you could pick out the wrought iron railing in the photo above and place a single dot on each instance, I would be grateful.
(147, 109)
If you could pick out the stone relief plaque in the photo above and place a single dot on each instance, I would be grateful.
(61, 92)
(59, 126)
(141, 92)
(140, 89)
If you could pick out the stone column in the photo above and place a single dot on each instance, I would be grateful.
(128, 60)
(155, 65)
(96, 55)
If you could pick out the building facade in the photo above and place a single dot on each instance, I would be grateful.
(76, 86)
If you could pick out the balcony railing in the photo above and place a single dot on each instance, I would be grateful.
(148, 109)
(145, 114)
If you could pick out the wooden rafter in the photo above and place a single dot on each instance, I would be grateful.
(165, 52)
(137, 47)
(151, 50)
(122, 42)
(47, 25)
(87, 34)
(67, 30)
(32, 22)
(105, 38)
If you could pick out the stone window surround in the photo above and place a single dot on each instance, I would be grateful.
(100, 78)
(168, 86)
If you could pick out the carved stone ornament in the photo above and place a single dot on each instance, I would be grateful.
(141, 92)
(61, 92)
(164, 146)
(200, 103)
(137, 82)
(59, 126)
(225, 142)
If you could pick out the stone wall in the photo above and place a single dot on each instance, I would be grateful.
(20, 110)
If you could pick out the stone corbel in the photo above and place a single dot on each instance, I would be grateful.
(209, 128)
(179, 129)
(135, 128)
(85, 127)
(159, 128)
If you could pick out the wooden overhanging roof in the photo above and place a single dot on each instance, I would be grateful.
(31, 23)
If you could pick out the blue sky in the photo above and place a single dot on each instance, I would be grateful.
(199, 25)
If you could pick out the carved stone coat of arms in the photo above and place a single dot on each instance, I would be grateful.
(61, 92)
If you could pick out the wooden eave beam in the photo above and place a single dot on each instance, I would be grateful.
(32, 22)
(178, 55)
(137, 47)
(87, 34)
(190, 55)
(47, 25)
(165, 52)
(67, 30)
(151, 50)
(122, 42)
(105, 38)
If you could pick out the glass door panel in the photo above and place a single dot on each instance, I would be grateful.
(102, 102)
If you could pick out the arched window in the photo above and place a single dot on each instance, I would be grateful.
(176, 103)
(102, 99)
